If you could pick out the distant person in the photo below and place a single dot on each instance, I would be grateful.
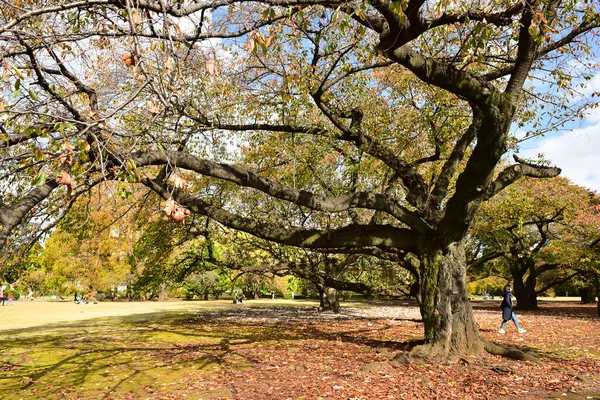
(292, 295)
(272, 295)
(2, 298)
(10, 299)
(507, 311)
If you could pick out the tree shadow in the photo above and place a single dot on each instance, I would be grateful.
(125, 353)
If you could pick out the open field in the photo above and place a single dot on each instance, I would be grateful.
(281, 350)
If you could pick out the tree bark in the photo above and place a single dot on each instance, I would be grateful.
(524, 289)
(450, 328)
(329, 300)
(162, 295)
(597, 281)
(587, 294)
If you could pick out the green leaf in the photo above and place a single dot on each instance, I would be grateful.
(534, 30)
(39, 154)
(39, 179)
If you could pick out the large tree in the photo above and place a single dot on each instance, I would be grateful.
(390, 115)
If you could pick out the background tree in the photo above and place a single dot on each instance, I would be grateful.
(89, 250)
(532, 227)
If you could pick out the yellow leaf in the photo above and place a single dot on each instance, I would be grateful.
(18, 71)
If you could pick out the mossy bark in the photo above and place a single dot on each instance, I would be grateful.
(450, 328)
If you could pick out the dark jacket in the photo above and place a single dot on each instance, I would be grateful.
(507, 305)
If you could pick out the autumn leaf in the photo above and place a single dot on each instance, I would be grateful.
(169, 207)
(153, 106)
(212, 67)
(178, 181)
(250, 45)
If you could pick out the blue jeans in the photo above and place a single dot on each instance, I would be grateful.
(514, 319)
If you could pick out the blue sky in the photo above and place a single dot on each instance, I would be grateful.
(576, 151)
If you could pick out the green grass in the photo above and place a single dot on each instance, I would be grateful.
(123, 350)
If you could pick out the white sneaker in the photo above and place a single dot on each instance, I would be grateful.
(522, 330)
(502, 331)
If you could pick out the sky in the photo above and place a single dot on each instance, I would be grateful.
(575, 151)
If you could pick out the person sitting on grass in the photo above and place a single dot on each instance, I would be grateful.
(507, 311)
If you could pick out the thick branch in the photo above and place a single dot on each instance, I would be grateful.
(557, 282)
(351, 235)
(451, 165)
(12, 216)
(482, 260)
(445, 76)
(310, 200)
(511, 174)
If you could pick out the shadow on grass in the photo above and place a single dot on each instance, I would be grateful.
(138, 354)
(135, 354)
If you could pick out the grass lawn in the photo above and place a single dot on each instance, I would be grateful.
(280, 350)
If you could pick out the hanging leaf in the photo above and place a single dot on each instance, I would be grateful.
(153, 106)
(250, 45)
(180, 215)
(534, 30)
(169, 207)
(136, 17)
(178, 181)
(129, 59)
(212, 67)
(18, 71)
(39, 179)
(39, 154)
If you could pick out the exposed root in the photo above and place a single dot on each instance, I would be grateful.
(509, 352)
(374, 367)
(426, 353)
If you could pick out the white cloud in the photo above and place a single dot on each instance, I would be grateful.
(576, 152)
(591, 86)
(190, 23)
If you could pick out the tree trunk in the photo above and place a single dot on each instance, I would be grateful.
(329, 300)
(587, 294)
(450, 328)
(525, 290)
(162, 296)
(597, 281)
